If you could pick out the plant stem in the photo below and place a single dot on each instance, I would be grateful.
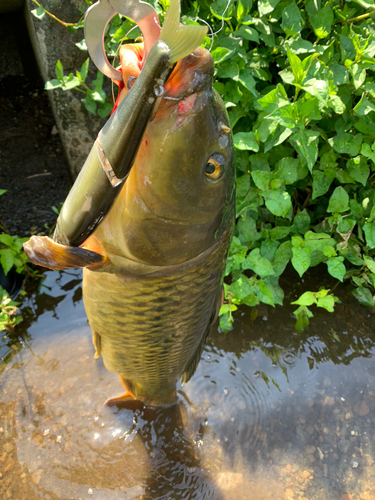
(358, 18)
(54, 17)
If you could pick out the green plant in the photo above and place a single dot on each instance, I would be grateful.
(8, 312)
(96, 100)
(12, 256)
(298, 82)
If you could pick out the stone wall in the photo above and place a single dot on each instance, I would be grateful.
(52, 41)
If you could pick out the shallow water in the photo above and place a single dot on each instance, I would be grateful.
(269, 414)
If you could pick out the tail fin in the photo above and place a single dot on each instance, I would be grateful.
(181, 40)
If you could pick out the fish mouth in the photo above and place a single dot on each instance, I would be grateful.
(192, 74)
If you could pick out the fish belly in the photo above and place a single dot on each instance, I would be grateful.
(149, 328)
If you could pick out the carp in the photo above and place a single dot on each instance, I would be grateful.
(154, 265)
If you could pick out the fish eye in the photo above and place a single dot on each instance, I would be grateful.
(214, 167)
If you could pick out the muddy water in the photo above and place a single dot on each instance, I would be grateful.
(270, 414)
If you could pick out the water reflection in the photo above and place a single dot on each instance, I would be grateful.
(269, 414)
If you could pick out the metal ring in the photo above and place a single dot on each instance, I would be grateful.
(97, 18)
(130, 80)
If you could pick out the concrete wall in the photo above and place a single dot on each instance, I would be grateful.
(52, 41)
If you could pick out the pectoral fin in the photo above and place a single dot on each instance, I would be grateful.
(43, 251)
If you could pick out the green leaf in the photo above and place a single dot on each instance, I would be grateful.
(6, 259)
(286, 116)
(247, 229)
(105, 109)
(71, 82)
(305, 142)
(279, 232)
(358, 74)
(323, 21)
(272, 283)
(277, 201)
(339, 201)
(266, 6)
(282, 256)
(220, 54)
(228, 69)
(287, 169)
(39, 13)
(292, 22)
(318, 89)
(327, 302)
(345, 143)
(265, 294)
(82, 45)
(358, 169)
(240, 10)
(246, 79)
(336, 104)
(59, 70)
(366, 151)
(274, 99)
(89, 104)
(322, 181)
(302, 315)
(370, 263)
(369, 230)
(306, 299)
(279, 136)
(364, 106)
(301, 222)
(245, 141)
(347, 48)
(3, 191)
(301, 259)
(336, 267)
(340, 74)
(261, 179)
(309, 108)
(53, 84)
(364, 296)
(248, 33)
(297, 68)
(261, 266)
(7, 239)
(84, 69)
(366, 126)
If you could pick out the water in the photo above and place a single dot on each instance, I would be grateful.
(269, 414)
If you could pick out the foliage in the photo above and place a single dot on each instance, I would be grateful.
(12, 256)
(298, 82)
(11, 252)
(96, 100)
(8, 312)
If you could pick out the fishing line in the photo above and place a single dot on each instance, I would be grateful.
(222, 18)
(114, 57)
(212, 33)
(210, 28)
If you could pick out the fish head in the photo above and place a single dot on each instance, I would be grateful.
(185, 167)
(179, 195)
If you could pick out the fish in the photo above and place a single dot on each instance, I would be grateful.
(153, 268)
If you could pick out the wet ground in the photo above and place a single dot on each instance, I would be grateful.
(269, 414)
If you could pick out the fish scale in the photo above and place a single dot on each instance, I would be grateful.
(153, 345)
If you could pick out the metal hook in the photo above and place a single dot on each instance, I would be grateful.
(98, 16)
